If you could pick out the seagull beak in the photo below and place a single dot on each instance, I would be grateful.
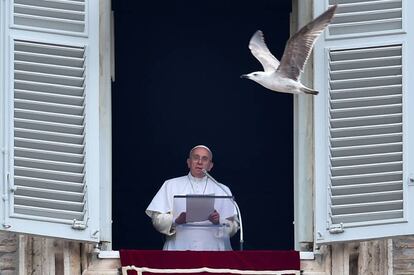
(244, 76)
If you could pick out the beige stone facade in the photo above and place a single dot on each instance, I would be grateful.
(21, 254)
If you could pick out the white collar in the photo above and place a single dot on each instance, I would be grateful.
(197, 180)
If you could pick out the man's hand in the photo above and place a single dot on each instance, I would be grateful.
(181, 218)
(214, 217)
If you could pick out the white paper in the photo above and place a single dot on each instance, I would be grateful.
(199, 208)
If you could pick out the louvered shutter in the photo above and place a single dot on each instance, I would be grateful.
(363, 161)
(52, 147)
(58, 16)
(366, 17)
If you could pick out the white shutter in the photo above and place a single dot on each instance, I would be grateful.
(365, 17)
(51, 15)
(52, 103)
(365, 134)
(363, 163)
(49, 131)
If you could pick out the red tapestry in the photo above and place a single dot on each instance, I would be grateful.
(209, 262)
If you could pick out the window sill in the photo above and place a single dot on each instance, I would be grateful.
(115, 255)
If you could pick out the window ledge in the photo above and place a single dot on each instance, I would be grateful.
(305, 255)
(115, 255)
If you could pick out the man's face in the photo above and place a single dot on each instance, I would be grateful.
(199, 159)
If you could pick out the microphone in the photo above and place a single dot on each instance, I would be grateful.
(235, 205)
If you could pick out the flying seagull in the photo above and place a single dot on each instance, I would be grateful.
(284, 76)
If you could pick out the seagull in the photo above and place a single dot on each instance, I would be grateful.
(284, 76)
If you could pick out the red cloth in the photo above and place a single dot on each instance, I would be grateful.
(241, 260)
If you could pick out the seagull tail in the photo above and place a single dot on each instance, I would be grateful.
(309, 91)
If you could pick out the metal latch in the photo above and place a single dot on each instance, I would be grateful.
(336, 228)
(78, 225)
(411, 179)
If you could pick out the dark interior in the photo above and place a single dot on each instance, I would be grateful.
(178, 67)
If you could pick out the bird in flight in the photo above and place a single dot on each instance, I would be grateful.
(284, 76)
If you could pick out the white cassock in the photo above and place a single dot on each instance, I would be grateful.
(198, 236)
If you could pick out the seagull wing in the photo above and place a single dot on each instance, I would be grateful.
(259, 49)
(299, 46)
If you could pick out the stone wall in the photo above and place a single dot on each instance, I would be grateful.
(403, 255)
(8, 253)
(354, 258)
(22, 254)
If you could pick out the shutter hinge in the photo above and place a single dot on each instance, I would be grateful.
(78, 225)
(336, 228)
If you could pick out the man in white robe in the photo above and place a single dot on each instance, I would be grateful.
(213, 234)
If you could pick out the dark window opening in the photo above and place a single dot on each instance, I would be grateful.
(178, 67)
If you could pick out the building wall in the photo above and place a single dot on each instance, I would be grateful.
(22, 254)
(8, 253)
(403, 255)
(370, 257)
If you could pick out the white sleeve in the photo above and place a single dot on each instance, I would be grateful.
(232, 225)
(163, 222)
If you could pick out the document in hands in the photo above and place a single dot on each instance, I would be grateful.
(199, 207)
